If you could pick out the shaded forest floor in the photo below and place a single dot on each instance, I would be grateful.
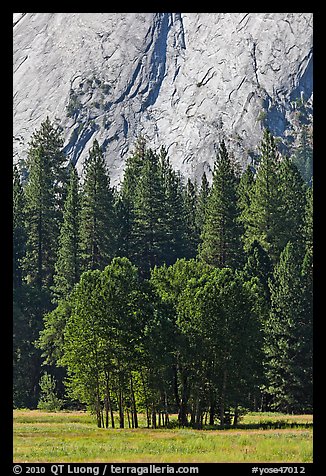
(73, 437)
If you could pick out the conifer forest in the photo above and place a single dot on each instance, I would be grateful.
(161, 295)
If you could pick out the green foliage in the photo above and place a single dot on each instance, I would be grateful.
(29, 305)
(149, 225)
(221, 231)
(263, 219)
(289, 337)
(303, 157)
(152, 330)
(49, 400)
(74, 104)
(68, 263)
(292, 189)
(202, 203)
(192, 232)
(19, 229)
(97, 217)
(44, 192)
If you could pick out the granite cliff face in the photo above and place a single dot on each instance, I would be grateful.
(180, 79)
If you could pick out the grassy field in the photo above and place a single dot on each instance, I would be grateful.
(73, 437)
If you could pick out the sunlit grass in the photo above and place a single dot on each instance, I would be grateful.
(74, 437)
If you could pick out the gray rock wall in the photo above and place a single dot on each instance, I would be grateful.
(182, 80)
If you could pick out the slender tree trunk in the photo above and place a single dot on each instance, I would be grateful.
(183, 403)
(212, 410)
(146, 399)
(133, 403)
(166, 409)
(153, 416)
(121, 413)
(175, 386)
(236, 415)
(222, 405)
(106, 403)
(110, 406)
(128, 418)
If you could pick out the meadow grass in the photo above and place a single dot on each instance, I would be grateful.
(73, 437)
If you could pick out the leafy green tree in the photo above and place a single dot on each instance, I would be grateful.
(68, 263)
(221, 245)
(97, 220)
(289, 337)
(49, 400)
(220, 315)
(83, 344)
(103, 338)
(19, 229)
(170, 282)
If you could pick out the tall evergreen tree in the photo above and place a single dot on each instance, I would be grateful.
(202, 203)
(308, 232)
(307, 265)
(50, 138)
(293, 193)
(19, 229)
(221, 234)
(245, 190)
(192, 231)
(44, 193)
(303, 157)
(173, 213)
(259, 265)
(97, 219)
(125, 204)
(68, 264)
(289, 337)
(149, 226)
(263, 222)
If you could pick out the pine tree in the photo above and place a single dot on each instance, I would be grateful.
(68, 264)
(192, 232)
(263, 222)
(97, 221)
(173, 213)
(125, 204)
(307, 265)
(303, 157)
(221, 244)
(202, 203)
(292, 190)
(289, 337)
(50, 138)
(308, 232)
(259, 265)
(244, 192)
(44, 193)
(19, 229)
(149, 226)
